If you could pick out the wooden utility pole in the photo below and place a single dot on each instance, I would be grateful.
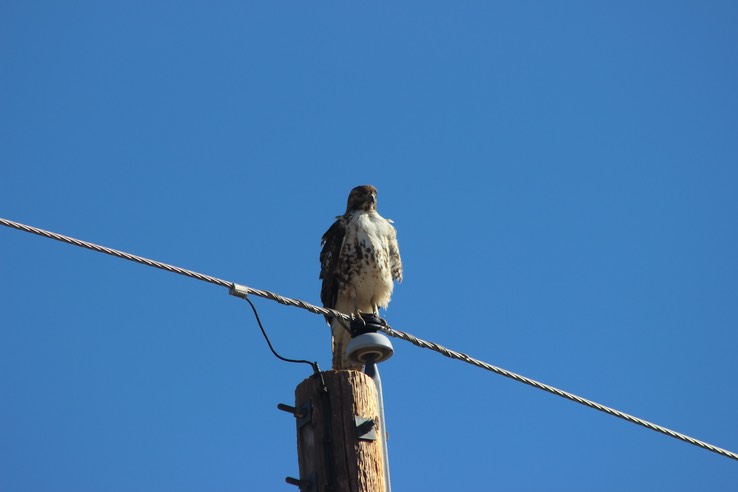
(339, 433)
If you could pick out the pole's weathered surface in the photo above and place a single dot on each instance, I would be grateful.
(333, 452)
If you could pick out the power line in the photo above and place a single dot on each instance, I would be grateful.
(243, 291)
(236, 289)
(564, 394)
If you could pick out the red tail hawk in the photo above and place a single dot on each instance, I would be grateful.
(359, 260)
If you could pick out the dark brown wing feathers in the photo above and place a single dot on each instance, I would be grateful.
(329, 264)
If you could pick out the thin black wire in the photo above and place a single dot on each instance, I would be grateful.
(314, 365)
(242, 291)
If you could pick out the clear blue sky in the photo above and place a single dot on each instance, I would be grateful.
(564, 181)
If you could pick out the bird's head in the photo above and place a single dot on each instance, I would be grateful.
(362, 197)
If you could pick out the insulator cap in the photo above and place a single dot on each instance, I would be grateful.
(369, 345)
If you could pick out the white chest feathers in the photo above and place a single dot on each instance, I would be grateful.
(368, 249)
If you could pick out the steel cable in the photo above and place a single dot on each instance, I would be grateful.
(564, 394)
(242, 291)
(235, 288)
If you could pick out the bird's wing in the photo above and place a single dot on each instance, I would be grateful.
(330, 253)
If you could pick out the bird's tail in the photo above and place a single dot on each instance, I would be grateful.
(341, 338)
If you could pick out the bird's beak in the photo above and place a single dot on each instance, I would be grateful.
(372, 198)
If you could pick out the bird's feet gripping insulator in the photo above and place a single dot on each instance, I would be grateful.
(366, 323)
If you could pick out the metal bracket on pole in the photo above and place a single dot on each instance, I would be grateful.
(366, 428)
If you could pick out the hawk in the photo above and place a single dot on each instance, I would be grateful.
(359, 260)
